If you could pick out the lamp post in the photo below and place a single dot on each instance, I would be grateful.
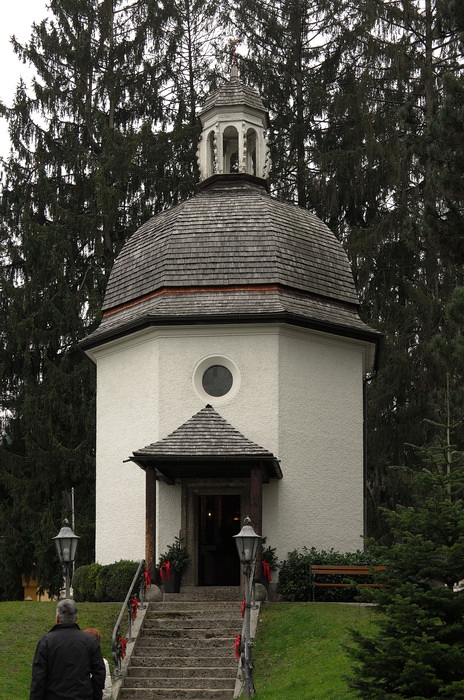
(66, 544)
(247, 542)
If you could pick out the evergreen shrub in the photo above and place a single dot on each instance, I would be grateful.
(118, 578)
(294, 576)
(84, 583)
(109, 583)
(100, 584)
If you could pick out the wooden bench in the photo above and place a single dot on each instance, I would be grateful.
(347, 571)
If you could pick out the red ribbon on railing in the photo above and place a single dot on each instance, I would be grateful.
(236, 645)
(267, 571)
(165, 568)
(243, 608)
(123, 644)
(146, 579)
(134, 606)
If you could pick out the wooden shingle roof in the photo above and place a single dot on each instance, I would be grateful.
(230, 305)
(232, 254)
(232, 233)
(206, 445)
(233, 93)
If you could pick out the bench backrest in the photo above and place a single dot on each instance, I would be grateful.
(343, 570)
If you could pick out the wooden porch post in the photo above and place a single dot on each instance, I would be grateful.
(256, 499)
(256, 508)
(150, 520)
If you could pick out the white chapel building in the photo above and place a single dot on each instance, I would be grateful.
(231, 361)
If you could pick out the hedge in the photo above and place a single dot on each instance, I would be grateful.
(294, 580)
(95, 583)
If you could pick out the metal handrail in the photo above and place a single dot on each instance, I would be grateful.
(246, 640)
(116, 644)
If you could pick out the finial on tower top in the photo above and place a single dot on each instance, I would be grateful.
(233, 57)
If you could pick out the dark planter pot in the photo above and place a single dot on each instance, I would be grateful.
(172, 586)
(264, 580)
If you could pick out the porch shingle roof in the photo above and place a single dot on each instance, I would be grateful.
(206, 445)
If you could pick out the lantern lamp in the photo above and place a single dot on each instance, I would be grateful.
(247, 542)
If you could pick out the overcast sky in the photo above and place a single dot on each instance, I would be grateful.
(17, 17)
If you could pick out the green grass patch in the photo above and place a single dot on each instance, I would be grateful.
(22, 624)
(300, 650)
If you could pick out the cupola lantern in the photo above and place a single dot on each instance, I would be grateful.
(233, 139)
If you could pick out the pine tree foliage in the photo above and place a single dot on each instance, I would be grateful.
(417, 252)
(417, 649)
(367, 124)
(184, 53)
(297, 51)
(101, 143)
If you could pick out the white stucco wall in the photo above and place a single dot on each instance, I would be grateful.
(254, 353)
(319, 501)
(300, 397)
(127, 412)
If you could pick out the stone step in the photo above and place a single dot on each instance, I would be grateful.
(201, 613)
(183, 672)
(159, 682)
(154, 645)
(183, 604)
(185, 661)
(175, 694)
(213, 593)
(202, 633)
(201, 622)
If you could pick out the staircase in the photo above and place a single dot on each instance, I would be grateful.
(185, 649)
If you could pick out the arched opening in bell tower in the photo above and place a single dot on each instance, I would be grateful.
(230, 149)
(211, 156)
(251, 142)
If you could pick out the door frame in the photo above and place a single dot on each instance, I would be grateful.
(191, 489)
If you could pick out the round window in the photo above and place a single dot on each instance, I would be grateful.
(217, 380)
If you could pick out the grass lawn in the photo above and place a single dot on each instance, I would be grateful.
(22, 623)
(299, 652)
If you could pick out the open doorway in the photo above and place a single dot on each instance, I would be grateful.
(218, 522)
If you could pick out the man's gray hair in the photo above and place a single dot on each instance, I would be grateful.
(66, 611)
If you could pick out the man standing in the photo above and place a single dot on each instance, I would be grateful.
(68, 663)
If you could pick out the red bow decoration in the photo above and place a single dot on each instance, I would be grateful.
(123, 644)
(243, 609)
(236, 645)
(267, 571)
(134, 604)
(165, 568)
(146, 579)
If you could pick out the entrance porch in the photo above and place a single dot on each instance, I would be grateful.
(221, 475)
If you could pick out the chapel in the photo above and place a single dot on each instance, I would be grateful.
(231, 363)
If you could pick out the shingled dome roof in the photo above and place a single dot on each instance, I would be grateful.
(232, 234)
(232, 253)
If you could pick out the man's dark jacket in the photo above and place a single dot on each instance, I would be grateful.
(67, 665)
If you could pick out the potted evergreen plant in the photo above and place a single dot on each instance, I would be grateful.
(171, 565)
(269, 563)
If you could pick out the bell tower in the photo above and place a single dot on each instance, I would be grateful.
(233, 139)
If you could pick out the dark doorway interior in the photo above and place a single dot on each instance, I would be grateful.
(219, 521)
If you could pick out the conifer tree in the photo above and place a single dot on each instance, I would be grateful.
(409, 260)
(296, 52)
(94, 149)
(417, 649)
(366, 124)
